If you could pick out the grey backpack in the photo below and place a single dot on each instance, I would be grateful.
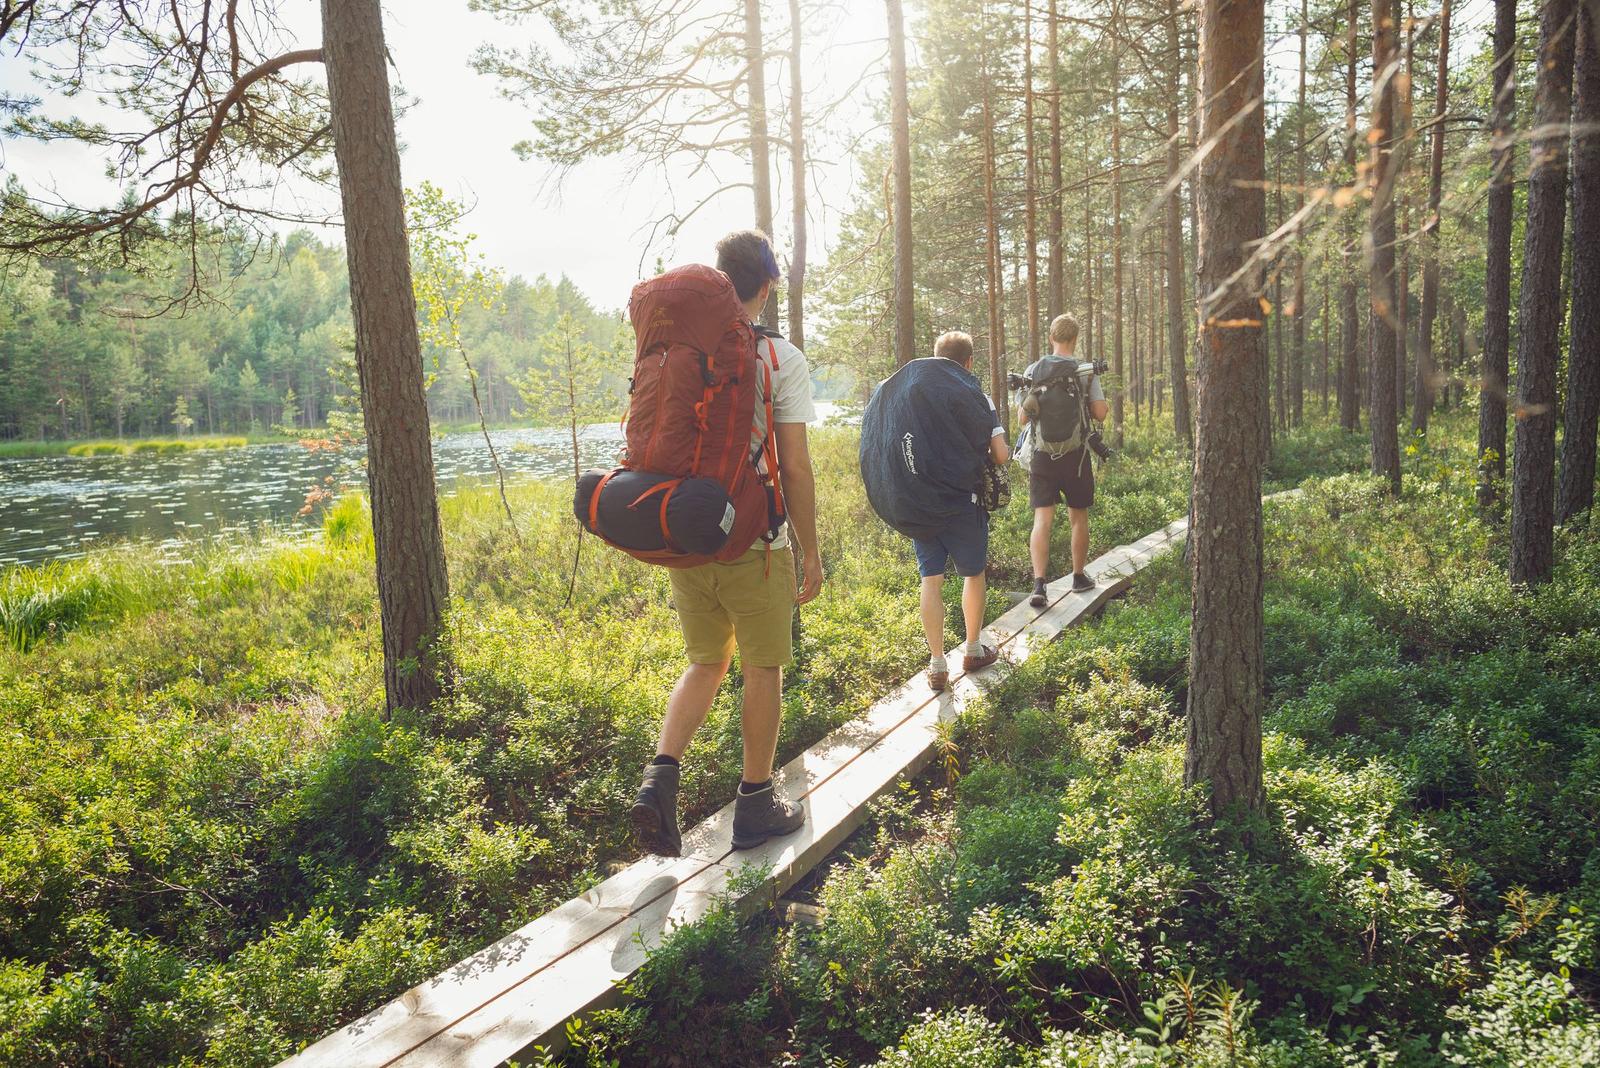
(1057, 405)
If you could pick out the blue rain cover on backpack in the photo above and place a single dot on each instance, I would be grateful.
(923, 440)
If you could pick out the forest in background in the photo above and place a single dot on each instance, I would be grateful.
(83, 353)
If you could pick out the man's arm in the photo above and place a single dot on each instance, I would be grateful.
(799, 485)
(999, 451)
(1098, 410)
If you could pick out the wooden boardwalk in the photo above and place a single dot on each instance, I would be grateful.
(521, 991)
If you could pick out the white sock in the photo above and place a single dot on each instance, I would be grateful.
(936, 663)
(974, 648)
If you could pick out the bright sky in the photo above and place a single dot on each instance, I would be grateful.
(594, 225)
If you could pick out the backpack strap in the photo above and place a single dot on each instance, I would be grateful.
(770, 446)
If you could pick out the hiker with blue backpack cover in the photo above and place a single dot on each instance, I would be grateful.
(926, 436)
(1060, 396)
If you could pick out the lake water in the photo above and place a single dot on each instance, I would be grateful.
(58, 507)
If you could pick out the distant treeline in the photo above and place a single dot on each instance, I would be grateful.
(83, 355)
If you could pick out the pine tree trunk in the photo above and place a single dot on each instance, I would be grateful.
(1575, 493)
(412, 583)
(905, 320)
(1430, 232)
(1494, 380)
(1226, 660)
(1380, 248)
(1057, 282)
(1174, 237)
(1030, 182)
(797, 155)
(1539, 310)
(997, 377)
(1349, 375)
(1117, 397)
(1297, 362)
(760, 148)
(1401, 156)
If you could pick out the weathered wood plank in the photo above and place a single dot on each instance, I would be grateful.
(520, 991)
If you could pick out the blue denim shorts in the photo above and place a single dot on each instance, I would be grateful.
(965, 540)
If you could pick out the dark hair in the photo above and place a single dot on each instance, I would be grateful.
(745, 256)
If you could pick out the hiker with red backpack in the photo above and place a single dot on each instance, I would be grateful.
(716, 478)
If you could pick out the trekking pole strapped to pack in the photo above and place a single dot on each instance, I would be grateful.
(688, 491)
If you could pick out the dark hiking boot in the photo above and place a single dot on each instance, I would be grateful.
(1038, 599)
(1082, 582)
(987, 654)
(760, 815)
(655, 812)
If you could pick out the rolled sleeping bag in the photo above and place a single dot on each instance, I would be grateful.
(648, 512)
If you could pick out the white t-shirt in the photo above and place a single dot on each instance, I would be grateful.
(792, 400)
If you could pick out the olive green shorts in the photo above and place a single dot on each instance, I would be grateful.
(749, 602)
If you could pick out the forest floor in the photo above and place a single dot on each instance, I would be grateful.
(213, 848)
(1423, 887)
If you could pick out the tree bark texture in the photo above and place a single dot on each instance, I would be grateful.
(755, 58)
(1057, 282)
(1539, 308)
(412, 583)
(997, 342)
(1494, 382)
(1116, 231)
(1426, 364)
(1297, 364)
(1030, 181)
(1380, 247)
(1575, 492)
(1225, 538)
(797, 156)
(1174, 240)
(1349, 375)
(905, 318)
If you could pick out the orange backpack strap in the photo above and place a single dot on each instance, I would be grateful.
(594, 502)
(772, 436)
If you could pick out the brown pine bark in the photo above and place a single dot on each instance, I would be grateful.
(1057, 282)
(1575, 492)
(1430, 233)
(1401, 155)
(797, 157)
(1380, 247)
(1226, 661)
(1297, 362)
(1116, 229)
(997, 344)
(1349, 374)
(1030, 181)
(905, 319)
(1174, 240)
(413, 586)
(760, 146)
(1494, 381)
(1539, 309)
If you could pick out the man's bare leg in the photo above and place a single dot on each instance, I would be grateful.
(972, 603)
(761, 717)
(1039, 541)
(1079, 517)
(687, 707)
(933, 614)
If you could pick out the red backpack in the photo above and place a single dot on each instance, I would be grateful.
(688, 491)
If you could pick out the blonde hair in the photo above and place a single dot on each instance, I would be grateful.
(954, 345)
(1064, 330)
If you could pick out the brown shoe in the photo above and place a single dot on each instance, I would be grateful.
(938, 680)
(987, 654)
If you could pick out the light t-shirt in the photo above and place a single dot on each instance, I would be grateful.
(792, 400)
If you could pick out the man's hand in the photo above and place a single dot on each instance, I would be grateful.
(811, 577)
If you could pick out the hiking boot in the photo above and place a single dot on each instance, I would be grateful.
(987, 654)
(760, 815)
(655, 812)
(1082, 582)
(1038, 599)
(938, 680)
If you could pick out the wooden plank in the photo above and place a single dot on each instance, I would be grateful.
(421, 1012)
(520, 991)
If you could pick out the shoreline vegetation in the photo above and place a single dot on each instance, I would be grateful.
(217, 726)
(28, 450)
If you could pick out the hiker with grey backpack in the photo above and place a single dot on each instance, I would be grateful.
(1061, 399)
